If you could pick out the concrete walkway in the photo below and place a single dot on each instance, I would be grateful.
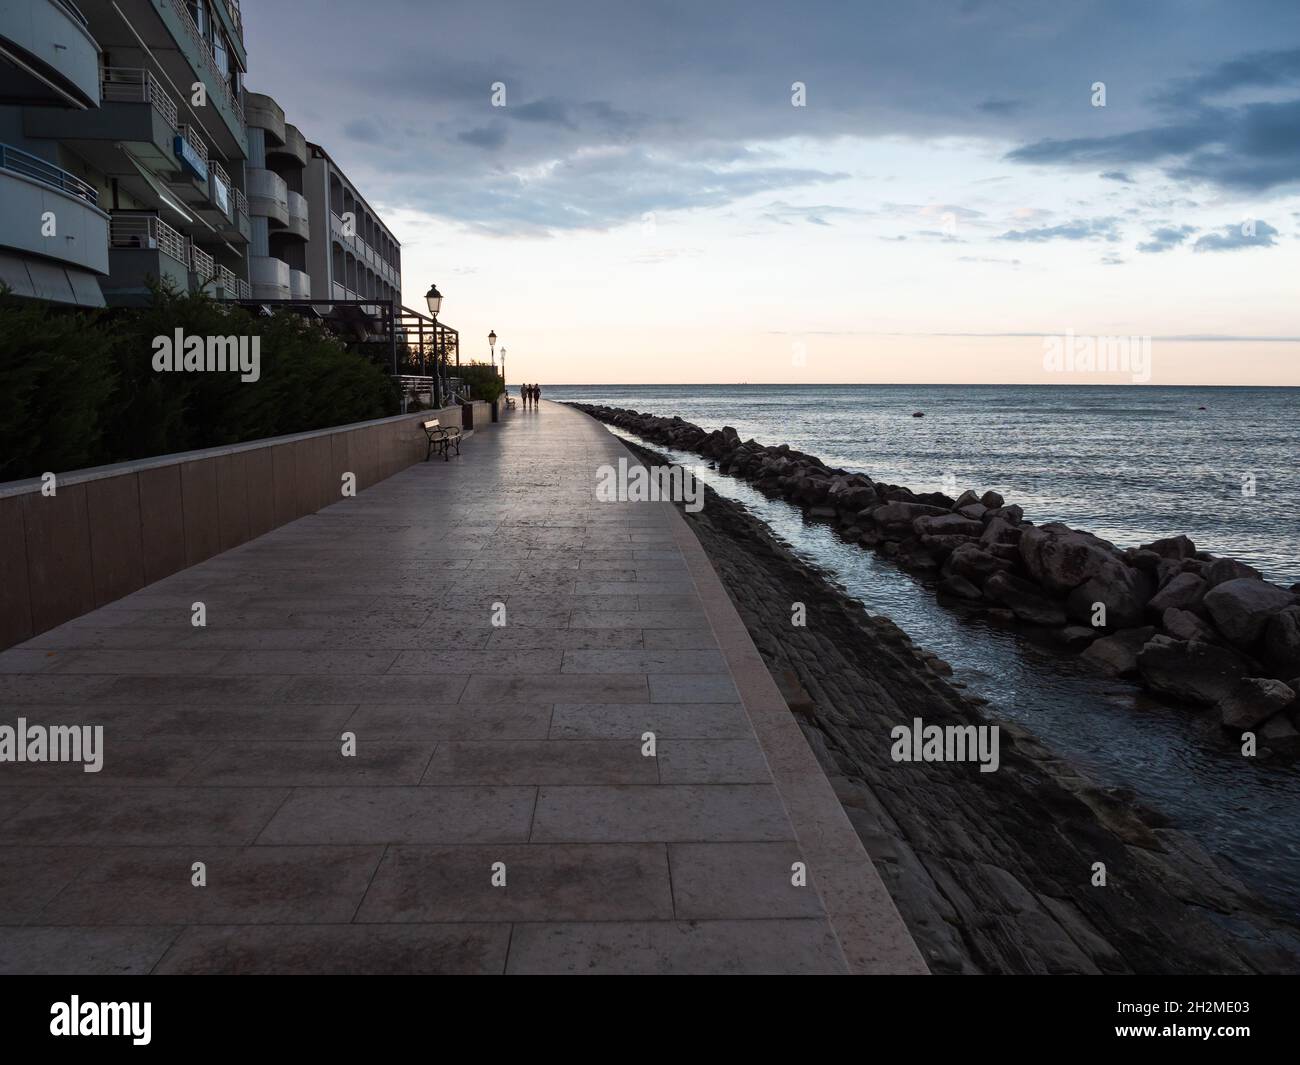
(481, 750)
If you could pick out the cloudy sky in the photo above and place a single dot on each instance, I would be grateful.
(627, 192)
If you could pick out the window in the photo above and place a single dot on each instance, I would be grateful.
(221, 53)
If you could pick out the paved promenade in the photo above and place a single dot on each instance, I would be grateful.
(483, 751)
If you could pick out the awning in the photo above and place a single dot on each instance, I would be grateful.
(41, 280)
(164, 194)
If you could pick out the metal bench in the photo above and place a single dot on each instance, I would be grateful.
(442, 438)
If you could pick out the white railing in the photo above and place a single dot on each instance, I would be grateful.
(241, 203)
(147, 231)
(217, 75)
(134, 85)
(32, 166)
(195, 142)
(202, 263)
(232, 284)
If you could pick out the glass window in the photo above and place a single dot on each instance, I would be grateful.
(221, 53)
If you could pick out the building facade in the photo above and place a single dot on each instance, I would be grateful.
(131, 151)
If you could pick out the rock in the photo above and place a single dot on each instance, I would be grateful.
(1117, 654)
(975, 565)
(1183, 592)
(1147, 561)
(1253, 701)
(974, 511)
(1280, 734)
(1001, 531)
(1061, 558)
(1184, 625)
(965, 499)
(947, 525)
(900, 513)
(1074, 637)
(1282, 640)
(1198, 672)
(1222, 570)
(913, 555)
(1012, 514)
(1123, 590)
(958, 587)
(1171, 547)
(1241, 607)
(943, 546)
(992, 500)
(1026, 600)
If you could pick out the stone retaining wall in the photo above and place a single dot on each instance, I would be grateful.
(109, 531)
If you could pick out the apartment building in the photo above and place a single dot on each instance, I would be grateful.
(130, 150)
(122, 148)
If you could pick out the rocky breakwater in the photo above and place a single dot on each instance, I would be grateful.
(1205, 632)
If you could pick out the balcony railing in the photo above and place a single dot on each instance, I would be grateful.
(218, 76)
(17, 161)
(241, 203)
(132, 85)
(227, 280)
(202, 264)
(194, 141)
(150, 232)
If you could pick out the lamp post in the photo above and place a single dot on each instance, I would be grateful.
(492, 346)
(503, 365)
(434, 299)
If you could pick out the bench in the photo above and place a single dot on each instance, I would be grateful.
(442, 438)
(510, 402)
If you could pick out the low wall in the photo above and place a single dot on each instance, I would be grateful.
(111, 530)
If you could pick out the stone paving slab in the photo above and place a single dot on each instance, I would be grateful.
(412, 737)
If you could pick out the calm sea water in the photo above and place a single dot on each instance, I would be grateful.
(1130, 464)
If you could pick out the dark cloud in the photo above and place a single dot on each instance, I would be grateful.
(1001, 107)
(1165, 238)
(1238, 235)
(684, 92)
(1117, 175)
(492, 137)
(1088, 229)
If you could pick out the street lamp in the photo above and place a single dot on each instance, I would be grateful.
(492, 344)
(503, 364)
(434, 299)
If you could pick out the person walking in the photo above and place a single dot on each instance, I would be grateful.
(537, 394)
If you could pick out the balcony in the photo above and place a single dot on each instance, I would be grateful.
(268, 195)
(294, 146)
(230, 287)
(299, 284)
(203, 268)
(53, 58)
(269, 277)
(267, 115)
(143, 249)
(299, 221)
(32, 191)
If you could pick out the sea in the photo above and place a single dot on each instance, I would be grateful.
(1129, 463)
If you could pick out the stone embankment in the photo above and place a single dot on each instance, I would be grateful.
(992, 872)
(1197, 629)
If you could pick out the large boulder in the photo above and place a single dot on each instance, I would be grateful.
(1060, 558)
(1184, 625)
(1001, 531)
(992, 500)
(1124, 591)
(1253, 701)
(1117, 654)
(947, 525)
(900, 513)
(1183, 592)
(1025, 600)
(958, 588)
(1282, 641)
(975, 565)
(1171, 547)
(1241, 608)
(1197, 672)
(1222, 570)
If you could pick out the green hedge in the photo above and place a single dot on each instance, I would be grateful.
(484, 381)
(78, 388)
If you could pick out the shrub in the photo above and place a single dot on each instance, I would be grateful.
(484, 381)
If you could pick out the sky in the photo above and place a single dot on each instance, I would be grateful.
(824, 191)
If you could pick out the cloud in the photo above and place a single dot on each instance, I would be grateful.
(491, 137)
(1088, 229)
(813, 214)
(1117, 175)
(365, 130)
(1235, 236)
(1247, 146)
(1165, 238)
(1001, 107)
